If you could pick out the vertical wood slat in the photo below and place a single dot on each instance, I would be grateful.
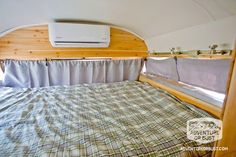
(229, 118)
(228, 81)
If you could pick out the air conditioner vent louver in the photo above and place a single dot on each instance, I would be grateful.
(89, 42)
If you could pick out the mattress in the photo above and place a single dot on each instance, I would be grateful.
(118, 119)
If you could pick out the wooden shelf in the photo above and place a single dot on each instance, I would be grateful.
(216, 111)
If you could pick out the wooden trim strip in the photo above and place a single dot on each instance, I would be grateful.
(215, 111)
(205, 56)
(86, 50)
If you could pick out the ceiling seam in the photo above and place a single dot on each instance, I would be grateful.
(204, 9)
(149, 38)
(223, 8)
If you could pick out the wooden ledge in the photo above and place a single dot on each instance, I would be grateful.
(215, 111)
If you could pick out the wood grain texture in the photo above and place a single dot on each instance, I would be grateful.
(216, 111)
(33, 43)
(229, 118)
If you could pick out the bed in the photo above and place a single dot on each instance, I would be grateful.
(126, 118)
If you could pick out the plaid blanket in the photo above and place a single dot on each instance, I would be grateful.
(118, 119)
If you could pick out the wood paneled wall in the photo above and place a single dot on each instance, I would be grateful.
(33, 43)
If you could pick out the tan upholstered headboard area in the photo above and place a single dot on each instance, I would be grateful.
(32, 43)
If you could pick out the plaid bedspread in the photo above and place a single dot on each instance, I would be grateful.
(119, 119)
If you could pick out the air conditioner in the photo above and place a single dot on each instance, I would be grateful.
(79, 35)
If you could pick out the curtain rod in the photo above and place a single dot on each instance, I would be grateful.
(194, 52)
(80, 58)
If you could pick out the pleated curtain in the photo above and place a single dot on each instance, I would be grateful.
(32, 74)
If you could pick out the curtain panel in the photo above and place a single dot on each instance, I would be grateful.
(211, 74)
(31, 74)
(162, 67)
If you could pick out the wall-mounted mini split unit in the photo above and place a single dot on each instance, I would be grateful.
(79, 35)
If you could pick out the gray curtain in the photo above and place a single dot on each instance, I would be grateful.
(1, 71)
(207, 73)
(41, 73)
(210, 74)
(162, 67)
(25, 74)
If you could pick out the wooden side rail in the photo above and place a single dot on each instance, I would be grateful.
(216, 111)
